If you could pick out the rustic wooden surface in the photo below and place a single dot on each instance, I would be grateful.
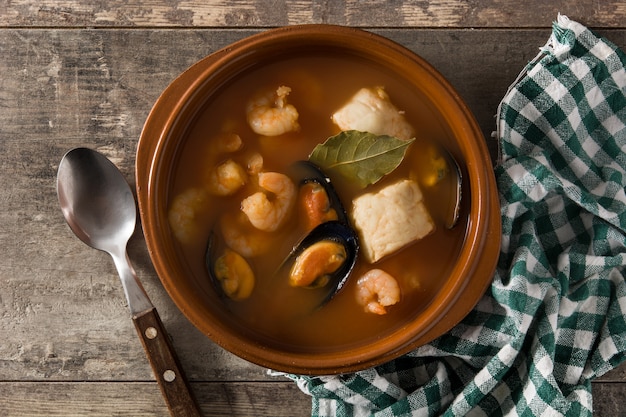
(85, 73)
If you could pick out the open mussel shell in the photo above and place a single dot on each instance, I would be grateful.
(334, 231)
(338, 231)
(306, 172)
(209, 259)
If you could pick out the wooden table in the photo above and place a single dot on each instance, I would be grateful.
(86, 73)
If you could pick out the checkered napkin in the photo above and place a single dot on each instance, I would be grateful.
(555, 316)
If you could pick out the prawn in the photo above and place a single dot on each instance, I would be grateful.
(269, 213)
(242, 237)
(227, 177)
(255, 163)
(269, 114)
(183, 212)
(376, 289)
(225, 142)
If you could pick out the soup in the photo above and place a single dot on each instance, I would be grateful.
(271, 308)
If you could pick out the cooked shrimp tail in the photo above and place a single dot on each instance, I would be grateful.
(376, 290)
(268, 209)
(242, 237)
(269, 114)
(225, 178)
(183, 214)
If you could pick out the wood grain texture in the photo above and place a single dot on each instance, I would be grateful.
(67, 343)
(141, 399)
(259, 13)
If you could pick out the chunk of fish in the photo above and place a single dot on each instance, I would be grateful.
(391, 219)
(371, 110)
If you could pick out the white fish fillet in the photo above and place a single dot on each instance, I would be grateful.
(371, 110)
(390, 219)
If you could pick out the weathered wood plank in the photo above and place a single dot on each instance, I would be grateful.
(97, 399)
(260, 13)
(275, 399)
(608, 399)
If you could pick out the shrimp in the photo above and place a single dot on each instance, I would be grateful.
(255, 163)
(244, 238)
(376, 289)
(269, 213)
(228, 177)
(226, 142)
(183, 211)
(269, 114)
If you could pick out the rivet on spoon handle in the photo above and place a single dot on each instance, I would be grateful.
(165, 364)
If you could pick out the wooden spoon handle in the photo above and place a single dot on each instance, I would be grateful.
(165, 365)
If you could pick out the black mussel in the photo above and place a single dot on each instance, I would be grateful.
(444, 171)
(229, 272)
(307, 173)
(452, 216)
(327, 254)
(323, 259)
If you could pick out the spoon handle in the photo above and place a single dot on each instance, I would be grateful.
(165, 365)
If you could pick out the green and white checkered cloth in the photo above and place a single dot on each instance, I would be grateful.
(555, 316)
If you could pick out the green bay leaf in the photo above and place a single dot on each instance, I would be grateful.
(361, 157)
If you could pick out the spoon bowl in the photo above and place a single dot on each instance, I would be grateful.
(96, 200)
(99, 207)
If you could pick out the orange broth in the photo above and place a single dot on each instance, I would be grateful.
(320, 85)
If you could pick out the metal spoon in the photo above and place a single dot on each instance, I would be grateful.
(99, 207)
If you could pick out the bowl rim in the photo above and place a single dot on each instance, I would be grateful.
(483, 229)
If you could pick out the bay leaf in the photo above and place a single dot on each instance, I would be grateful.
(361, 157)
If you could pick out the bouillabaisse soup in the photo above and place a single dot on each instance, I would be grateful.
(263, 122)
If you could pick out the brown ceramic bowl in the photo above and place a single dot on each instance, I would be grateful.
(164, 133)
